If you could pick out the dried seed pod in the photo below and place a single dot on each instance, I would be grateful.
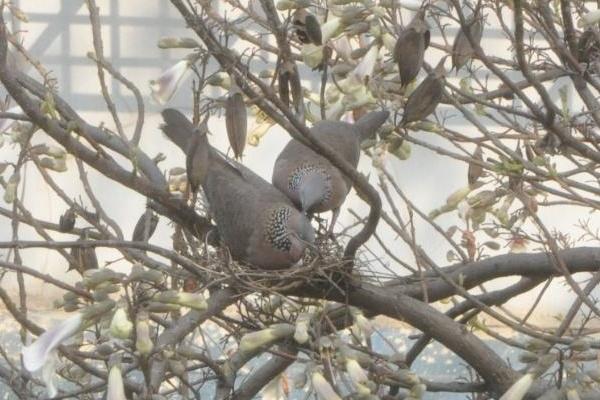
(307, 27)
(425, 98)
(236, 121)
(145, 226)
(588, 46)
(410, 48)
(84, 257)
(299, 24)
(475, 170)
(313, 30)
(462, 51)
(283, 80)
(66, 223)
(197, 156)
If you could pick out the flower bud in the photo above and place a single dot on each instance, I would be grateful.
(139, 273)
(192, 300)
(331, 28)
(143, 343)
(302, 323)
(536, 345)
(96, 310)
(362, 322)
(114, 388)
(175, 43)
(312, 55)
(252, 341)
(220, 79)
(323, 388)
(580, 345)
(518, 390)
(97, 276)
(357, 376)
(120, 326)
(156, 307)
(10, 193)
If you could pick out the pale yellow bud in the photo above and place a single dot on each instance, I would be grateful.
(252, 341)
(312, 55)
(175, 42)
(323, 388)
(120, 326)
(143, 343)
(302, 324)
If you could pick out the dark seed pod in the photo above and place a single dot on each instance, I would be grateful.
(426, 97)
(475, 170)
(197, 154)
(283, 80)
(462, 51)
(236, 121)
(588, 46)
(145, 226)
(307, 27)
(313, 30)
(410, 48)
(84, 258)
(66, 223)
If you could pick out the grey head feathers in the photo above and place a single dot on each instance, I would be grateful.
(314, 188)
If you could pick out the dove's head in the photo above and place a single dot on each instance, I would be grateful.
(290, 231)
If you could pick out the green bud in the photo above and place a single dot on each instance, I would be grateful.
(96, 310)
(580, 345)
(252, 341)
(98, 276)
(143, 343)
(302, 323)
(157, 307)
(175, 43)
(120, 326)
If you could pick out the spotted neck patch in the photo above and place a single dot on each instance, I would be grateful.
(275, 230)
(298, 175)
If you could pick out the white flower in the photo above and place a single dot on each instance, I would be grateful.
(168, 82)
(6, 123)
(518, 390)
(364, 69)
(36, 354)
(463, 209)
(42, 353)
(114, 388)
(342, 47)
(49, 373)
(331, 28)
(323, 388)
(589, 19)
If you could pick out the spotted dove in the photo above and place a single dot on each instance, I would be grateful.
(310, 180)
(257, 222)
